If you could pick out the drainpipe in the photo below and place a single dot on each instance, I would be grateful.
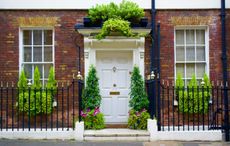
(223, 42)
(225, 73)
(151, 83)
(153, 11)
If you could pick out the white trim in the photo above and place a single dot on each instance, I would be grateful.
(93, 45)
(86, 4)
(206, 62)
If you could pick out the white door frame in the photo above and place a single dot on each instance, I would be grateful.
(136, 45)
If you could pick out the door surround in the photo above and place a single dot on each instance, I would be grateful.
(136, 45)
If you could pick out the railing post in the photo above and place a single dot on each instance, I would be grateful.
(80, 88)
(151, 91)
(226, 112)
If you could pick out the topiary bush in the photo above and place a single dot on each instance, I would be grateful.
(138, 97)
(196, 98)
(35, 100)
(91, 101)
(91, 94)
(138, 102)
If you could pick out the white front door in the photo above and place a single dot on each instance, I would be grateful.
(114, 79)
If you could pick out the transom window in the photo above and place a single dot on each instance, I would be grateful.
(191, 53)
(37, 50)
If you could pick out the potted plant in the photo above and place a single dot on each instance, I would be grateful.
(115, 25)
(138, 103)
(91, 102)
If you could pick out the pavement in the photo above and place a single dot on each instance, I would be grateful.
(7, 142)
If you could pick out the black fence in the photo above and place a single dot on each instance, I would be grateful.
(196, 108)
(189, 108)
(39, 109)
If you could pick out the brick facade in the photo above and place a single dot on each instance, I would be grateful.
(66, 53)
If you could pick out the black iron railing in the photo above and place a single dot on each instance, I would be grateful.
(39, 109)
(189, 108)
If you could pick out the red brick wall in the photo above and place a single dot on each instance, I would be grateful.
(66, 55)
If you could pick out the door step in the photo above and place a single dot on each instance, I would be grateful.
(116, 135)
(116, 126)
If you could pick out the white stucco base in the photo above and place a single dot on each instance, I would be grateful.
(182, 135)
(76, 134)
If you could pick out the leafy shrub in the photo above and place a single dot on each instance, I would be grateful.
(115, 25)
(91, 94)
(51, 83)
(103, 12)
(138, 120)
(22, 83)
(116, 17)
(35, 100)
(129, 10)
(196, 98)
(138, 96)
(93, 119)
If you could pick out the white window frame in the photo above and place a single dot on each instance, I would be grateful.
(21, 50)
(206, 29)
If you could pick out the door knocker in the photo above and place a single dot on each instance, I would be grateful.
(114, 69)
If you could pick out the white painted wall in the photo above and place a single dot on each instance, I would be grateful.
(85, 4)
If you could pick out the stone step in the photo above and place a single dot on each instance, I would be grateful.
(118, 134)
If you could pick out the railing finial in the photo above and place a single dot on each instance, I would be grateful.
(79, 76)
(152, 75)
(202, 82)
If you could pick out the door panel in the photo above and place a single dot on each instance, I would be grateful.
(114, 80)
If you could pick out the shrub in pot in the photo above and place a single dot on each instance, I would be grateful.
(138, 102)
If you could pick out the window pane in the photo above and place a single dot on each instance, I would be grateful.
(180, 69)
(48, 37)
(190, 70)
(27, 54)
(46, 70)
(40, 69)
(27, 35)
(190, 53)
(48, 54)
(37, 37)
(200, 37)
(180, 53)
(200, 69)
(28, 70)
(37, 54)
(200, 53)
(179, 37)
(190, 37)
